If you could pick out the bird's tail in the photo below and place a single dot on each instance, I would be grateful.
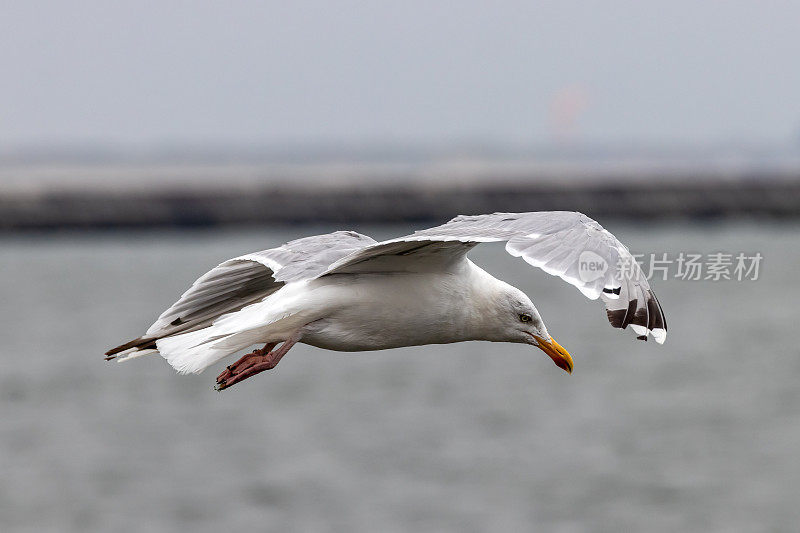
(132, 349)
(189, 352)
(193, 352)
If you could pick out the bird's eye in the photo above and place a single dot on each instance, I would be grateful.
(525, 317)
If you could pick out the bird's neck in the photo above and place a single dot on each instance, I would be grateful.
(483, 307)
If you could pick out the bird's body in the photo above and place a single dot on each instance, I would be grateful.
(414, 309)
(345, 292)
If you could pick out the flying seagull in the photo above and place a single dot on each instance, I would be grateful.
(344, 291)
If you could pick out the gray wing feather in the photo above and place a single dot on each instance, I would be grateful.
(226, 288)
(309, 257)
(561, 243)
(252, 277)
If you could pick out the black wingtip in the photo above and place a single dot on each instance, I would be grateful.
(142, 343)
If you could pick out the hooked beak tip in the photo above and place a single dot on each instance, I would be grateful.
(557, 353)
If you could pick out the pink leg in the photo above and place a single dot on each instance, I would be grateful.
(246, 361)
(253, 363)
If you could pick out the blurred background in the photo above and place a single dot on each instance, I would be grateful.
(143, 143)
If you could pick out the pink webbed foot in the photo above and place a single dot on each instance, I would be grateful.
(253, 363)
(247, 361)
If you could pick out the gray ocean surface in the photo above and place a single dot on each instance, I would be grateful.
(700, 434)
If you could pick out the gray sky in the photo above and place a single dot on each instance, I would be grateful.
(401, 72)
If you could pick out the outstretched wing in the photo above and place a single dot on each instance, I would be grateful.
(247, 279)
(566, 244)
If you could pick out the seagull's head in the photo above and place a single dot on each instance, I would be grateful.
(522, 323)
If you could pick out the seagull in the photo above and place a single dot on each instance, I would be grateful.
(345, 291)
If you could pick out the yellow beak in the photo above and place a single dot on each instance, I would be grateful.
(559, 355)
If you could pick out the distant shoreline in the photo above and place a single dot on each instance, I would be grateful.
(161, 196)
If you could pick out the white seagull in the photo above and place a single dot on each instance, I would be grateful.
(345, 291)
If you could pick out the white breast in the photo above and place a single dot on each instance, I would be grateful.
(379, 311)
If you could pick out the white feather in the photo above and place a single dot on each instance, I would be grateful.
(135, 354)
